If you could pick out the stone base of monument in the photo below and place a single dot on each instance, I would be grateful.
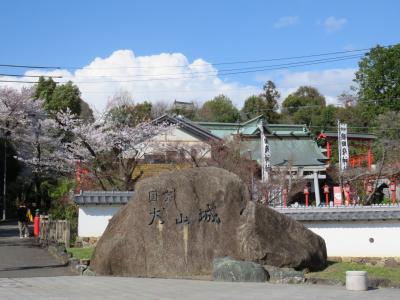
(356, 280)
(227, 269)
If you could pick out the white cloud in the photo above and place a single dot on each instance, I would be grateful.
(332, 24)
(286, 21)
(162, 77)
(330, 82)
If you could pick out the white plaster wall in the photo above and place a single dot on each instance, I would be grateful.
(352, 238)
(176, 135)
(174, 139)
(93, 219)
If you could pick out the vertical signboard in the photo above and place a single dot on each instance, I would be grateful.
(265, 154)
(343, 146)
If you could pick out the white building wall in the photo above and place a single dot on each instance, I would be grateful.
(353, 238)
(93, 219)
(175, 139)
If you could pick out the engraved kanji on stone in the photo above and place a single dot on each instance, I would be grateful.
(156, 213)
(182, 220)
(209, 215)
(153, 196)
(168, 195)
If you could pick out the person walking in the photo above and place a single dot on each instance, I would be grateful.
(22, 213)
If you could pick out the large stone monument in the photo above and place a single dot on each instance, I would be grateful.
(179, 222)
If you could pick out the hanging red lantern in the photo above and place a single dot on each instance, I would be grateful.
(326, 189)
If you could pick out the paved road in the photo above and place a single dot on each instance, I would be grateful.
(29, 272)
(24, 258)
(94, 288)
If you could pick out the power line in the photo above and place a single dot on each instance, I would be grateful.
(224, 71)
(293, 65)
(18, 81)
(245, 70)
(33, 76)
(180, 66)
(28, 66)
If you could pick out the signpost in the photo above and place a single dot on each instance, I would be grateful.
(265, 154)
(343, 150)
(343, 146)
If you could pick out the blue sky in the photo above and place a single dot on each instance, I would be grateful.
(74, 33)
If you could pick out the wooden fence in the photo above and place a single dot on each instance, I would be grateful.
(55, 231)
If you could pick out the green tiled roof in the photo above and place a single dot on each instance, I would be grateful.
(288, 142)
(301, 152)
(250, 127)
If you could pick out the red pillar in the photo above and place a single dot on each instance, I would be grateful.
(393, 185)
(306, 192)
(328, 150)
(78, 175)
(284, 197)
(369, 158)
(326, 192)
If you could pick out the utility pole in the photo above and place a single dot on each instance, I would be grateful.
(5, 178)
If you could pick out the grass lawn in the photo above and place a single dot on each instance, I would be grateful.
(81, 253)
(337, 271)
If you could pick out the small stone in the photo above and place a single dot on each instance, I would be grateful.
(284, 275)
(88, 272)
(81, 268)
(227, 269)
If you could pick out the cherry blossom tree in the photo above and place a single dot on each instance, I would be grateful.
(31, 131)
(109, 149)
(53, 144)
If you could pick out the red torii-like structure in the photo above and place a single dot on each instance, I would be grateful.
(355, 160)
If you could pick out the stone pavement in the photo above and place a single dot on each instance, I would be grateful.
(29, 272)
(23, 257)
(93, 288)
